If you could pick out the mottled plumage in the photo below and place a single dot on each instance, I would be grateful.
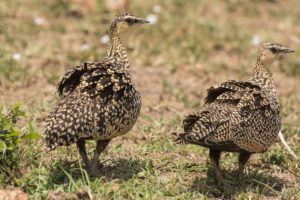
(97, 101)
(238, 116)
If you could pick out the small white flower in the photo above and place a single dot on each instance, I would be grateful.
(39, 21)
(17, 56)
(255, 40)
(104, 39)
(84, 47)
(156, 8)
(152, 18)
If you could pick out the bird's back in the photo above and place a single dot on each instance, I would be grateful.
(97, 101)
(237, 117)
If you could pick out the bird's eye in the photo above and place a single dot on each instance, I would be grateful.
(130, 21)
(274, 50)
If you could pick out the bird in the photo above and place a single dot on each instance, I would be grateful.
(238, 116)
(97, 100)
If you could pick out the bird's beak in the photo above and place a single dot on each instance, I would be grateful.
(143, 21)
(287, 50)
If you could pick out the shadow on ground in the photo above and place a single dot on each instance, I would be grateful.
(123, 169)
(258, 183)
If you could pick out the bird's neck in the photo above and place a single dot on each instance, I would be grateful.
(117, 52)
(263, 77)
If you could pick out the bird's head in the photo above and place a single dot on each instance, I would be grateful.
(122, 22)
(269, 52)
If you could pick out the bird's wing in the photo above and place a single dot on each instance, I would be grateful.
(255, 121)
(70, 119)
(82, 90)
(95, 79)
(71, 79)
(223, 96)
(213, 123)
(228, 90)
(107, 83)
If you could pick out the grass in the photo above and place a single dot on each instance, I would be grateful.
(193, 45)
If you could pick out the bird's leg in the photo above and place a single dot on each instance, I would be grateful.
(101, 145)
(81, 146)
(214, 158)
(243, 158)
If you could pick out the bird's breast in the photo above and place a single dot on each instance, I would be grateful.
(118, 116)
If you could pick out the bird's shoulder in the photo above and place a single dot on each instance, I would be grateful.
(71, 78)
(94, 78)
(239, 93)
(228, 106)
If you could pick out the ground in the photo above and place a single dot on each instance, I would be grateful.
(193, 45)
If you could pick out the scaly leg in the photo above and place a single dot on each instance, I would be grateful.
(81, 146)
(101, 145)
(214, 158)
(243, 158)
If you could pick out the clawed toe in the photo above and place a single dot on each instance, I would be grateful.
(95, 169)
(221, 182)
(240, 179)
(94, 172)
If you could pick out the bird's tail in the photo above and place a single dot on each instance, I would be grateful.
(179, 138)
(48, 145)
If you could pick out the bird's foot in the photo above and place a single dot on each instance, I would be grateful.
(95, 168)
(222, 184)
(86, 166)
(243, 180)
(220, 181)
(94, 171)
(240, 178)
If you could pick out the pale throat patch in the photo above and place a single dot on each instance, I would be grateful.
(125, 31)
(269, 59)
(122, 27)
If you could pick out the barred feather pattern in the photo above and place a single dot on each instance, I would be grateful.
(96, 101)
(237, 116)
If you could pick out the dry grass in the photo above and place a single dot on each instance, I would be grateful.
(193, 45)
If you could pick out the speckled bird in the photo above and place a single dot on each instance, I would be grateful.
(97, 101)
(238, 116)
